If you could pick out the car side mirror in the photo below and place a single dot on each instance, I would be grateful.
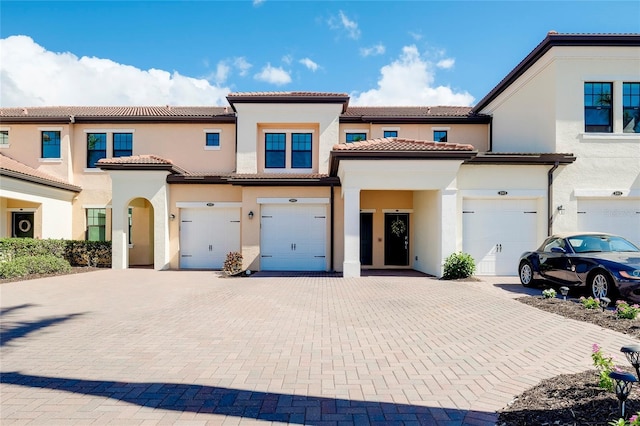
(557, 250)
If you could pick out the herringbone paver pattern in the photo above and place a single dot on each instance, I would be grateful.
(141, 347)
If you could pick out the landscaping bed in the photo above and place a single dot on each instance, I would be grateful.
(572, 399)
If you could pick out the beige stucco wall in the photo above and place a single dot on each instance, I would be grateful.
(473, 134)
(250, 117)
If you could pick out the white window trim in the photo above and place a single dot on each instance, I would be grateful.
(440, 129)
(618, 136)
(391, 129)
(397, 210)
(368, 210)
(356, 131)
(50, 129)
(93, 170)
(50, 160)
(212, 148)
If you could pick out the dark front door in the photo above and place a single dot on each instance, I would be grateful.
(366, 238)
(22, 225)
(396, 239)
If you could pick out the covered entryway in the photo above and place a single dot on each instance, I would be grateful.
(293, 237)
(497, 231)
(621, 217)
(22, 224)
(207, 235)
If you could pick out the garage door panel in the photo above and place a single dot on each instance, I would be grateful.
(621, 217)
(293, 237)
(497, 232)
(207, 235)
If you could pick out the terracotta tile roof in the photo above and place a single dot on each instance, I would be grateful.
(286, 94)
(407, 111)
(146, 161)
(400, 145)
(88, 112)
(240, 176)
(13, 168)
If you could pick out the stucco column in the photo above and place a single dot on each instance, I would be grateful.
(119, 224)
(449, 234)
(351, 265)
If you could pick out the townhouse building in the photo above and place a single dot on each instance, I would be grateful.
(303, 181)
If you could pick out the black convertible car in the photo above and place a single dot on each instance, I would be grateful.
(608, 265)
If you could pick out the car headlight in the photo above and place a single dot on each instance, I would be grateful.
(631, 275)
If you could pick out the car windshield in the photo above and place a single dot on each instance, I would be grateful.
(600, 243)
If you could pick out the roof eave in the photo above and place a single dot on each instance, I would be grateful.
(40, 181)
(475, 119)
(522, 159)
(267, 99)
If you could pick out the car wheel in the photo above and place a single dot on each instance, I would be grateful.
(526, 274)
(601, 285)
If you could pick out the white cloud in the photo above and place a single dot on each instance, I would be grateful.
(309, 64)
(257, 3)
(342, 22)
(416, 36)
(409, 80)
(222, 72)
(33, 76)
(375, 50)
(273, 75)
(287, 59)
(242, 65)
(446, 63)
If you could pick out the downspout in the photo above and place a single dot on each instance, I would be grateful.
(331, 238)
(550, 197)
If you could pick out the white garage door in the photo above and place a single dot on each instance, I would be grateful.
(497, 232)
(621, 217)
(293, 237)
(207, 235)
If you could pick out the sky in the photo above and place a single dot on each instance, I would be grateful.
(197, 52)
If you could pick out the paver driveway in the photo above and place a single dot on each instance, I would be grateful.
(175, 347)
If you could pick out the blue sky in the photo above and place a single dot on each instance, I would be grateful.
(196, 52)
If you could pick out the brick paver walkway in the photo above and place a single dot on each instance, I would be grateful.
(141, 347)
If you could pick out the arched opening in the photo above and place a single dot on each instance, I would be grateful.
(140, 233)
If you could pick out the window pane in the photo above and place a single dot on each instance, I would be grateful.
(597, 107)
(355, 137)
(631, 107)
(213, 139)
(96, 148)
(275, 146)
(390, 134)
(96, 221)
(4, 137)
(50, 144)
(122, 144)
(440, 135)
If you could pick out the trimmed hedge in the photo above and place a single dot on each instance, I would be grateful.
(76, 253)
(33, 265)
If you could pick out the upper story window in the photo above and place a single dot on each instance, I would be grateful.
(598, 114)
(96, 224)
(96, 148)
(301, 150)
(122, 144)
(356, 137)
(4, 137)
(275, 150)
(212, 140)
(440, 135)
(390, 134)
(631, 107)
(50, 144)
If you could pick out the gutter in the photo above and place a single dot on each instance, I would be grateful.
(332, 226)
(550, 197)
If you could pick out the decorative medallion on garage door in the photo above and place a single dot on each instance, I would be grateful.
(396, 239)
(22, 224)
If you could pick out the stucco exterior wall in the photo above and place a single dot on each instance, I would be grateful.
(325, 116)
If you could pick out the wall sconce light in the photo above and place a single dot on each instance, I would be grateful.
(561, 209)
(172, 216)
(251, 215)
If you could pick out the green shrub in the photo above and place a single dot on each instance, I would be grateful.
(32, 265)
(11, 248)
(590, 302)
(549, 293)
(459, 265)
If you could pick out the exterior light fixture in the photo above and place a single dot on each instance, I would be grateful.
(561, 209)
(632, 352)
(172, 216)
(564, 290)
(251, 214)
(604, 302)
(623, 382)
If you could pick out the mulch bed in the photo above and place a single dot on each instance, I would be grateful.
(74, 270)
(572, 399)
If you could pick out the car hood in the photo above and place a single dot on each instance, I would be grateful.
(627, 258)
